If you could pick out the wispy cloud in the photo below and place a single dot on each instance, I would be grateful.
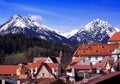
(37, 18)
(32, 9)
(28, 8)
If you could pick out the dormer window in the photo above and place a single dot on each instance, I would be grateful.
(102, 46)
(96, 50)
(88, 46)
(83, 60)
(43, 75)
(83, 51)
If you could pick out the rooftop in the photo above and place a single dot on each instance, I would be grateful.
(95, 49)
(8, 69)
(76, 60)
(103, 62)
(82, 67)
(115, 37)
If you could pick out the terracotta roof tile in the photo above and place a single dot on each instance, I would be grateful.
(8, 69)
(68, 67)
(76, 60)
(53, 65)
(103, 62)
(95, 49)
(49, 67)
(82, 67)
(115, 37)
(39, 58)
(33, 65)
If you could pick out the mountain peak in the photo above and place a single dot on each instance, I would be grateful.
(16, 16)
(94, 32)
(97, 23)
(20, 24)
(97, 19)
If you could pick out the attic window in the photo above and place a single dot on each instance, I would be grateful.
(83, 60)
(96, 50)
(43, 75)
(102, 46)
(88, 46)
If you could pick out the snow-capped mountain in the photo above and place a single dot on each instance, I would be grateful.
(71, 33)
(95, 31)
(67, 34)
(19, 24)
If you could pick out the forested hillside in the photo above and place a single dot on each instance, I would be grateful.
(24, 48)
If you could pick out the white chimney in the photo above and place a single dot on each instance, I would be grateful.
(53, 70)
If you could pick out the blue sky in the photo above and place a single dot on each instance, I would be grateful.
(63, 15)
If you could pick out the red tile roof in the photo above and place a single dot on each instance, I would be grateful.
(33, 65)
(103, 62)
(8, 69)
(39, 59)
(82, 67)
(95, 49)
(52, 65)
(115, 37)
(68, 67)
(49, 67)
(76, 60)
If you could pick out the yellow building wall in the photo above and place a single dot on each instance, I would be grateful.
(18, 71)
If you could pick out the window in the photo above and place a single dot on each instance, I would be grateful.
(110, 51)
(43, 75)
(89, 58)
(83, 60)
(96, 57)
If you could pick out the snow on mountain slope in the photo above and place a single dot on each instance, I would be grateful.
(71, 33)
(19, 24)
(117, 29)
(67, 34)
(95, 31)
